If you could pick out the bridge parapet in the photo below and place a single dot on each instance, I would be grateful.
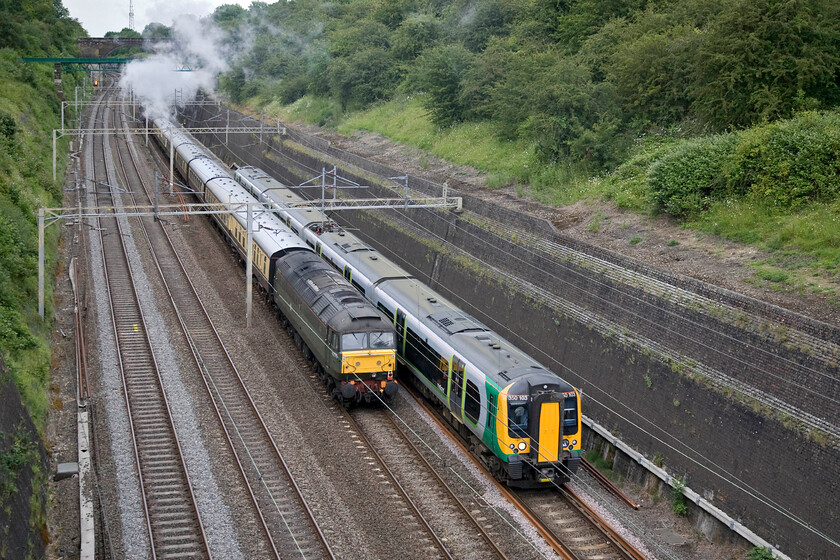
(97, 47)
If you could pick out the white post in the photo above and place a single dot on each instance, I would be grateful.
(41, 260)
(323, 194)
(53, 134)
(248, 267)
(62, 116)
(227, 126)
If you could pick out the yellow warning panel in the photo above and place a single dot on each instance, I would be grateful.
(549, 442)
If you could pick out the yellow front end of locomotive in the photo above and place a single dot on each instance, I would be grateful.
(368, 361)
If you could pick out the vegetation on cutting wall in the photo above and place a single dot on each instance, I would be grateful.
(683, 107)
(29, 110)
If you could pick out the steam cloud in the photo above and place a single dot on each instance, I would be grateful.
(156, 81)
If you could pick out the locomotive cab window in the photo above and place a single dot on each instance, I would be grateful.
(518, 419)
(382, 340)
(353, 341)
(570, 416)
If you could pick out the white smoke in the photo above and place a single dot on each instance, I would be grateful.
(175, 75)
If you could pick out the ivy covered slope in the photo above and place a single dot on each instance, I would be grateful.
(722, 114)
(29, 111)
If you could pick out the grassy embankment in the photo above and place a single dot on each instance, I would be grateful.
(776, 186)
(29, 111)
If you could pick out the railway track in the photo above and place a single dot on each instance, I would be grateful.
(571, 526)
(458, 523)
(172, 518)
(287, 521)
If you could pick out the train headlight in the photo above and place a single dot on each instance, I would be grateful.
(522, 446)
(565, 443)
(512, 446)
(574, 442)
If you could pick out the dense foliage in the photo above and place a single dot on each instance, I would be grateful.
(29, 110)
(579, 78)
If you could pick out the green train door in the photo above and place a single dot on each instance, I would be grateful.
(456, 387)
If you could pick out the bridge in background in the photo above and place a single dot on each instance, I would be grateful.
(98, 47)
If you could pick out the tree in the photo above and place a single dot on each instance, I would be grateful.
(441, 73)
(157, 31)
(761, 60)
(125, 33)
(367, 76)
(229, 16)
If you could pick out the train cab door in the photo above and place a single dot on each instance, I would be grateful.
(456, 387)
(544, 427)
(400, 325)
(348, 273)
(318, 248)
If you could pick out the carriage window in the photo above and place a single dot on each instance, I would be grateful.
(382, 340)
(354, 341)
(472, 404)
(518, 419)
(386, 311)
(425, 358)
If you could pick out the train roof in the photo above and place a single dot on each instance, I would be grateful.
(270, 233)
(277, 192)
(498, 358)
(329, 296)
(206, 169)
(365, 259)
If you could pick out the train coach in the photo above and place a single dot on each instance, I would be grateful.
(351, 342)
(521, 419)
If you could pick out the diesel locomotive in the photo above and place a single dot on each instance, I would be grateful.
(522, 420)
(351, 342)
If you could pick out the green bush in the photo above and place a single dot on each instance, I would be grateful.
(687, 179)
(759, 553)
(790, 163)
(678, 505)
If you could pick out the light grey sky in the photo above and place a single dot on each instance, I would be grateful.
(100, 16)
